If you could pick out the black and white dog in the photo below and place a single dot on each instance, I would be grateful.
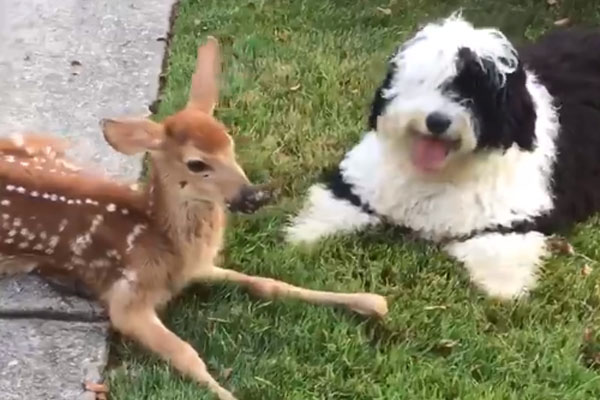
(476, 146)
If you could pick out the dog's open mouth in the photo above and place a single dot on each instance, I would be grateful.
(429, 154)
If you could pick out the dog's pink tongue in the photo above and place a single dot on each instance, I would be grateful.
(429, 154)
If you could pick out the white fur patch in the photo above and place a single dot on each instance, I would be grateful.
(503, 265)
(325, 215)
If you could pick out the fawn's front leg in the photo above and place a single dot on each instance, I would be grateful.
(143, 325)
(362, 303)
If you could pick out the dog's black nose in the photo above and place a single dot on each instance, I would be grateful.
(437, 123)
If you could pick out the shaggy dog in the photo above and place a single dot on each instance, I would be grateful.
(477, 146)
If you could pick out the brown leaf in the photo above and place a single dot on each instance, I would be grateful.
(560, 245)
(448, 343)
(587, 335)
(586, 270)
(385, 11)
(430, 308)
(562, 22)
(96, 387)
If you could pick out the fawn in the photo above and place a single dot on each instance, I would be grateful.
(137, 248)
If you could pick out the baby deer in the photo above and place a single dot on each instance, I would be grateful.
(136, 249)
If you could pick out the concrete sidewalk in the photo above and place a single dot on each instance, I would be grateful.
(64, 65)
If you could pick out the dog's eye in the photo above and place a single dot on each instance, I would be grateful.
(198, 166)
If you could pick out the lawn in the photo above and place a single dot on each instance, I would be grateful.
(299, 76)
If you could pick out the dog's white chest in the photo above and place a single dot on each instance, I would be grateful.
(505, 189)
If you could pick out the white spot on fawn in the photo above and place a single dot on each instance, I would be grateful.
(111, 207)
(113, 254)
(53, 197)
(53, 242)
(137, 230)
(24, 163)
(9, 240)
(81, 243)
(38, 247)
(62, 225)
(78, 261)
(5, 202)
(5, 216)
(10, 188)
(17, 222)
(10, 159)
(124, 211)
(96, 222)
(20, 189)
(34, 193)
(43, 235)
(62, 198)
(12, 233)
(23, 245)
(100, 263)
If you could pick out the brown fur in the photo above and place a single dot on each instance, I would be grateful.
(137, 249)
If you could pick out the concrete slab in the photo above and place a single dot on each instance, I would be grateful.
(65, 64)
(74, 352)
(31, 296)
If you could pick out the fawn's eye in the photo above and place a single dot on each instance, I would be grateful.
(198, 166)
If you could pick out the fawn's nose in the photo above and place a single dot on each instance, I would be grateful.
(250, 199)
(437, 122)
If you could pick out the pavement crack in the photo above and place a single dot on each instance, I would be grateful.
(51, 315)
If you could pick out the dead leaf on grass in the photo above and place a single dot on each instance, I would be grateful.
(430, 308)
(562, 22)
(96, 387)
(386, 11)
(448, 343)
(586, 270)
(560, 245)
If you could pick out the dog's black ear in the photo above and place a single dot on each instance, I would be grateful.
(519, 110)
(379, 101)
(501, 104)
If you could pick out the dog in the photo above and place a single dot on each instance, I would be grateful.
(483, 148)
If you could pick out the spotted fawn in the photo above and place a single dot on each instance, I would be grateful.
(135, 249)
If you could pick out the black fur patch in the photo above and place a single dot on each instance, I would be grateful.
(504, 114)
(567, 62)
(379, 102)
(343, 190)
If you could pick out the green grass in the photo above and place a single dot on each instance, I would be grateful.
(299, 75)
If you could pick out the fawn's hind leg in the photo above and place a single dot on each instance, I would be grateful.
(143, 325)
(362, 303)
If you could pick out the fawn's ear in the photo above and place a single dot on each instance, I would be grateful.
(204, 89)
(134, 135)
